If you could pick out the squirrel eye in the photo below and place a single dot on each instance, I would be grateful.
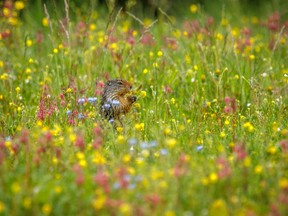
(119, 82)
(109, 83)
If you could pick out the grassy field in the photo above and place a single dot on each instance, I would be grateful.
(208, 134)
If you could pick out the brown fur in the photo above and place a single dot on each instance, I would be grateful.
(116, 100)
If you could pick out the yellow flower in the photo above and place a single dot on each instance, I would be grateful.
(55, 50)
(1, 64)
(172, 100)
(92, 26)
(143, 94)
(147, 22)
(134, 33)
(4, 76)
(167, 131)
(193, 8)
(222, 134)
(219, 36)
(247, 162)
(248, 126)
(17, 89)
(155, 65)
(29, 43)
(272, 150)
(113, 46)
(26, 203)
(140, 126)
(69, 90)
(119, 129)
(72, 137)
(120, 139)
(13, 21)
(251, 57)
(137, 105)
(218, 207)
(46, 209)
(58, 189)
(255, 20)
(98, 158)
(2, 207)
(15, 187)
(258, 169)
(171, 142)
(125, 209)
(80, 155)
(19, 5)
(45, 21)
(145, 71)
(224, 22)
(213, 177)
(126, 158)
(283, 183)
(156, 174)
(205, 181)
(159, 53)
(82, 163)
(169, 213)
(6, 12)
(99, 202)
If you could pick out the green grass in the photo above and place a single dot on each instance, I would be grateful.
(208, 134)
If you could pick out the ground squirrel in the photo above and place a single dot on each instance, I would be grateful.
(116, 100)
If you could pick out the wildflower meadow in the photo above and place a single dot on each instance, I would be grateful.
(208, 134)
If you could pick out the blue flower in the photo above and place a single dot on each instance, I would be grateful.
(92, 99)
(144, 145)
(68, 112)
(132, 186)
(116, 185)
(199, 148)
(8, 138)
(163, 151)
(115, 102)
(106, 106)
(153, 143)
(132, 141)
(80, 116)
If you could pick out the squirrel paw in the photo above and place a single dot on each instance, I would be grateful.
(132, 98)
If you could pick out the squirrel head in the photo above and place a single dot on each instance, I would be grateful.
(118, 86)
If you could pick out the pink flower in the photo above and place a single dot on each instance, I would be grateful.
(240, 151)
(79, 142)
(102, 179)
(284, 146)
(153, 199)
(224, 168)
(147, 39)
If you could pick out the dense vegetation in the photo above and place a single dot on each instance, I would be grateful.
(207, 135)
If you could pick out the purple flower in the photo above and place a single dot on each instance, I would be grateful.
(81, 100)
